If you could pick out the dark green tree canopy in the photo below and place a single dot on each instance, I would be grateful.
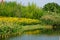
(52, 7)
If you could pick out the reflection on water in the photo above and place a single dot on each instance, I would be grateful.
(35, 37)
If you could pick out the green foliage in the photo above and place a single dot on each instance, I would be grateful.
(51, 7)
(32, 11)
(12, 9)
(53, 19)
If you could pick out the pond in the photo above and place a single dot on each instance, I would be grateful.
(34, 37)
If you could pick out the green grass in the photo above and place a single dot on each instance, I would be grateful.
(7, 31)
(30, 27)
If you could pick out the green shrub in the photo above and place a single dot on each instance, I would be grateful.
(51, 20)
(12, 9)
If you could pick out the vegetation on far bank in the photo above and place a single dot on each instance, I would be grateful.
(14, 18)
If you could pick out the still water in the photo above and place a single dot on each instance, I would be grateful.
(35, 37)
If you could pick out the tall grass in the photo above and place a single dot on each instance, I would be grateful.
(12, 9)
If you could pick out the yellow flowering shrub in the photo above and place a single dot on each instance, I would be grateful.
(13, 25)
(10, 20)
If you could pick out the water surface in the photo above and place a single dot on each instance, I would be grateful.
(35, 37)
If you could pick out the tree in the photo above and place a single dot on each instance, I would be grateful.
(51, 7)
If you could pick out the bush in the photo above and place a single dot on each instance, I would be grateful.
(7, 20)
(53, 20)
(12, 9)
(12, 25)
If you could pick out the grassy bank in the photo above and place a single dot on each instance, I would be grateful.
(30, 29)
(10, 26)
(16, 19)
